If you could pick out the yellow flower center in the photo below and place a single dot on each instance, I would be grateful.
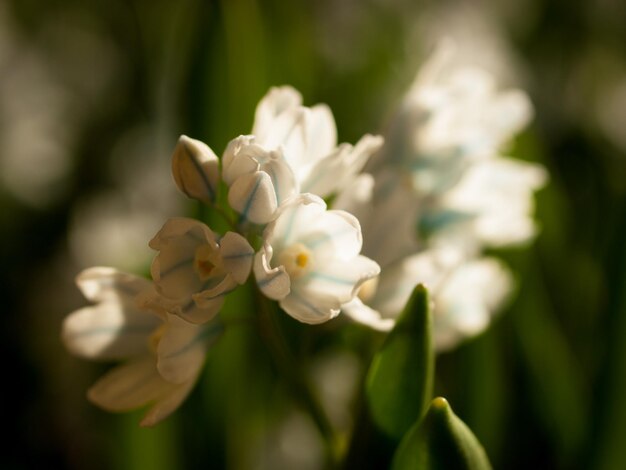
(204, 262)
(302, 259)
(296, 259)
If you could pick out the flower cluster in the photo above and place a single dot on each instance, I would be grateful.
(424, 208)
(308, 257)
(443, 185)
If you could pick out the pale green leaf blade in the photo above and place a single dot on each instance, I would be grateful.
(441, 441)
(400, 379)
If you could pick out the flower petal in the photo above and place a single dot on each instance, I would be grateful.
(356, 198)
(304, 219)
(334, 234)
(337, 169)
(194, 313)
(167, 403)
(468, 298)
(276, 102)
(173, 268)
(289, 132)
(101, 283)
(210, 301)
(196, 169)
(339, 279)
(502, 215)
(237, 256)
(108, 330)
(129, 386)
(397, 281)
(183, 347)
(242, 156)
(311, 311)
(283, 179)
(253, 196)
(274, 283)
(361, 313)
(321, 131)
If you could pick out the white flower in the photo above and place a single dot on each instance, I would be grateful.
(196, 169)
(492, 203)
(388, 211)
(308, 139)
(451, 117)
(163, 354)
(465, 294)
(467, 299)
(195, 269)
(306, 134)
(259, 180)
(337, 169)
(310, 260)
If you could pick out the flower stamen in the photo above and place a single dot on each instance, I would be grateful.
(296, 259)
(204, 264)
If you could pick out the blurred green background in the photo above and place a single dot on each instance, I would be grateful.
(93, 95)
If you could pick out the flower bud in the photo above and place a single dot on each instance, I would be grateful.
(195, 169)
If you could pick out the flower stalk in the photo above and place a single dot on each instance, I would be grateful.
(291, 371)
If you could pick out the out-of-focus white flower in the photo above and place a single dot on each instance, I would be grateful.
(379, 303)
(163, 354)
(389, 213)
(196, 169)
(491, 204)
(439, 193)
(479, 37)
(467, 299)
(114, 327)
(195, 269)
(310, 260)
(450, 118)
(259, 179)
(465, 294)
(308, 138)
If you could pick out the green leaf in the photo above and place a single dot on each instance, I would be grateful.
(440, 441)
(400, 380)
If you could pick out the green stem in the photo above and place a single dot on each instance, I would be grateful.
(275, 341)
(225, 216)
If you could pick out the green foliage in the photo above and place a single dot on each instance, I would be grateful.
(440, 441)
(400, 379)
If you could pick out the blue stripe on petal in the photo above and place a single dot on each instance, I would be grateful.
(268, 280)
(203, 176)
(322, 239)
(272, 174)
(205, 334)
(248, 205)
(289, 227)
(175, 267)
(308, 304)
(208, 284)
(194, 236)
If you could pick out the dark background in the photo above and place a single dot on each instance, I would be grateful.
(93, 95)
